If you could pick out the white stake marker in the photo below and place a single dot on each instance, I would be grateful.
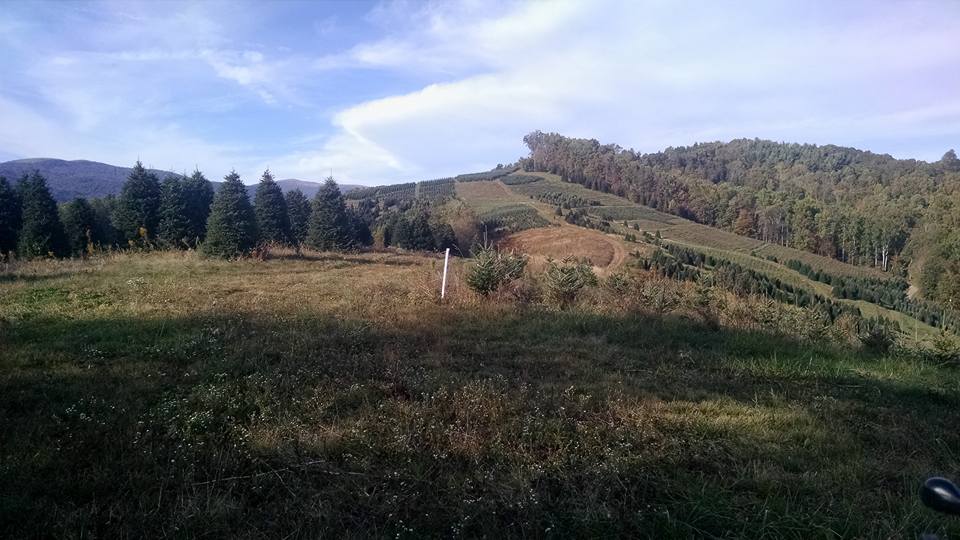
(443, 285)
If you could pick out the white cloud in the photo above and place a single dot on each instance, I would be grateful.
(642, 74)
(650, 75)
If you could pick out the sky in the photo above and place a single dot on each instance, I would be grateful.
(383, 92)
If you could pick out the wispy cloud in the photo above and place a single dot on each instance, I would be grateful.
(419, 90)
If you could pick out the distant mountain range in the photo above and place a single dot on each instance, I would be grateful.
(81, 178)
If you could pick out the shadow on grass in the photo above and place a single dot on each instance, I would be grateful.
(33, 278)
(342, 257)
(530, 423)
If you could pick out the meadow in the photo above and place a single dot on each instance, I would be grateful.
(163, 394)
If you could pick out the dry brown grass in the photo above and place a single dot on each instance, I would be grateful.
(164, 394)
(604, 252)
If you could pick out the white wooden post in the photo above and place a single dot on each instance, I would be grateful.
(443, 285)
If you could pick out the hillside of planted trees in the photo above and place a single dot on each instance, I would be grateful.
(899, 216)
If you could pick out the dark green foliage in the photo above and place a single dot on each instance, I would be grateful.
(580, 217)
(80, 224)
(486, 176)
(41, 232)
(491, 269)
(394, 192)
(359, 228)
(436, 190)
(175, 229)
(330, 227)
(691, 265)
(844, 203)
(443, 235)
(888, 293)
(564, 281)
(198, 192)
(419, 235)
(519, 179)
(298, 210)
(231, 227)
(105, 234)
(9, 217)
(138, 208)
(512, 218)
(270, 207)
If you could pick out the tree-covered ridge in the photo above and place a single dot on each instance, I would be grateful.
(852, 205)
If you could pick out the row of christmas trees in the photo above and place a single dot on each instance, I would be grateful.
(178, 212)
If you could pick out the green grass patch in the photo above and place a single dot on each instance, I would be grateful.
(144, 396)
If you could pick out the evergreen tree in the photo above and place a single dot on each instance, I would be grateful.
(41, 231)
(105, 234)
(231, 228)
(399, 232)
(198, 192)
(9, 217)
(138, 209)
(298, 210)
(330, 227)
(419, 236)
(443, 236)
(270, 207)
(80, 224)
(359, 229)
(175, 229)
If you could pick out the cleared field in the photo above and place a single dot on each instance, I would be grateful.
(157, 395)
(485, 195)
(495, 203)
(558, 243)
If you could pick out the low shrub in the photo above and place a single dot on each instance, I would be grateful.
(564, 281)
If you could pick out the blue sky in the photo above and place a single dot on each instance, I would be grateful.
(381, 92)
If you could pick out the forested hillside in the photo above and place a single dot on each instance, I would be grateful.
(859, 207)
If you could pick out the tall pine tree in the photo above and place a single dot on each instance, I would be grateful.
(330, 227)
(298, 209)
(41, 232)
(175, 228)
(198, 192)
(270, 207)
(80, 224)
(138, 209)
(231, 228)
(9, 217)
(105, 233)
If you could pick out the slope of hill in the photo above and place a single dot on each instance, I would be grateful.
(543, 192)
(90, 179)
(843, 203)
(70, 179)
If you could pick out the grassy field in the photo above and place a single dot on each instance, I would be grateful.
(164, 395)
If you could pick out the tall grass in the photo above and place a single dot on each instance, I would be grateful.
(160, 394)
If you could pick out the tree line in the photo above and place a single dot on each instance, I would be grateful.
(179, 212)
(855, 206)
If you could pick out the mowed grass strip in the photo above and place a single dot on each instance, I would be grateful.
(163, 394)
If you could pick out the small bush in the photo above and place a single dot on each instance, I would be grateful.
(565, 281)
(491, 269)
(660, 295)
(877, 335)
